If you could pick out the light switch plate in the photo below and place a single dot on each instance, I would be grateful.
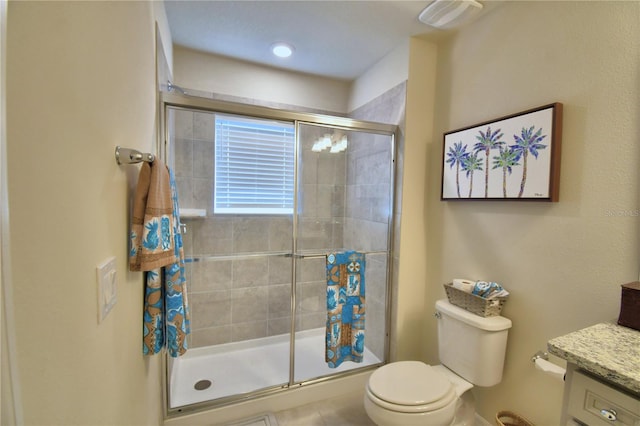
(107, 285)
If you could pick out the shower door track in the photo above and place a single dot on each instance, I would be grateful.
(260, 393)
(179, 101)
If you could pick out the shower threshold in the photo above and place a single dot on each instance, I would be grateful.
(209, 373)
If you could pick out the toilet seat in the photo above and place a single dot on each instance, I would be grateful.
(410, 387)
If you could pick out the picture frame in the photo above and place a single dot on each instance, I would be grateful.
(522, 151)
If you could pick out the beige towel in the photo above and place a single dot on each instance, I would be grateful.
(152, 235)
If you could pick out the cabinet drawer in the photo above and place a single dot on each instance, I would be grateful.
(597, 404)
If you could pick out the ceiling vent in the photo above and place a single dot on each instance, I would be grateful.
(446, 14)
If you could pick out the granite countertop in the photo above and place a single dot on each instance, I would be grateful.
(607, 350)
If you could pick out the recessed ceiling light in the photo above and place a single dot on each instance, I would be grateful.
(282, 50)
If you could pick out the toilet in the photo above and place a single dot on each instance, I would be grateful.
(471, 350)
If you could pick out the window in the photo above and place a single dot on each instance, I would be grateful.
(254, 167)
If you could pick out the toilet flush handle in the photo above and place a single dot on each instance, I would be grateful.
(437, 315)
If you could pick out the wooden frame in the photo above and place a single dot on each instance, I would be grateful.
(522, 151)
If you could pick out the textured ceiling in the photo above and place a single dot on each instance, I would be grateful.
(338, 39)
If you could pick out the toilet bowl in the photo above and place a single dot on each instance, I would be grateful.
(471, 349)
(411, 393)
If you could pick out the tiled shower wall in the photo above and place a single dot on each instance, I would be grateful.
(388, 108)
(236, 291)
(366, 226)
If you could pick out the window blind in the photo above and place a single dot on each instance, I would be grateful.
(254, 166)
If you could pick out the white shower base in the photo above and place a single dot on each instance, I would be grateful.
(241, 367)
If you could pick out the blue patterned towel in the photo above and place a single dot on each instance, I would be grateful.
(156, 247)
(345, 308)
(152, 236)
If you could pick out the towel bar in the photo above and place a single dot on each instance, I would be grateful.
(132, 156)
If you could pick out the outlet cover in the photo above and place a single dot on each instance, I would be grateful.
(107, 285)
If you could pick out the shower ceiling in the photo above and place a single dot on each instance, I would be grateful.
(337, 39)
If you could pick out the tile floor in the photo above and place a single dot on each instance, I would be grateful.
(343, 411)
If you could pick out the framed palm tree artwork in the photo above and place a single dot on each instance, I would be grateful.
(516, 157)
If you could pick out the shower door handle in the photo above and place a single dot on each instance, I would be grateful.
(306, 256)
(294, 255)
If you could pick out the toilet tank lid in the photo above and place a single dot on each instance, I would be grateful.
(496, 323)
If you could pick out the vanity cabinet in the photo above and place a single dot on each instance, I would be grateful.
(602, 384)
(594, 402)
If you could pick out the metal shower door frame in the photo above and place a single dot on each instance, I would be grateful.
(181, 101)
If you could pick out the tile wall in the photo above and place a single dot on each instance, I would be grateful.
(389, 108)
(369, 180)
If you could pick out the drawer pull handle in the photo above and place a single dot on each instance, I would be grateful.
(610, 415)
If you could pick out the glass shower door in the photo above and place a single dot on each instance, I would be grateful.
(345, 184)
(239, 272)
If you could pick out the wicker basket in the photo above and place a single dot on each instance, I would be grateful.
(472, 303)
(508, 418)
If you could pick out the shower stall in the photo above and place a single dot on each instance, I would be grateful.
(265, 195)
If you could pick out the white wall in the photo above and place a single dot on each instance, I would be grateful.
(226, 76)
(562, 262)
(390, 71)
(80, 80)
(410, 296)
(162, 21)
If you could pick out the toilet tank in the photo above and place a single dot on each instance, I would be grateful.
(472, 346)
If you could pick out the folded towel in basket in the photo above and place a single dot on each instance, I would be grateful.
(489, 290)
